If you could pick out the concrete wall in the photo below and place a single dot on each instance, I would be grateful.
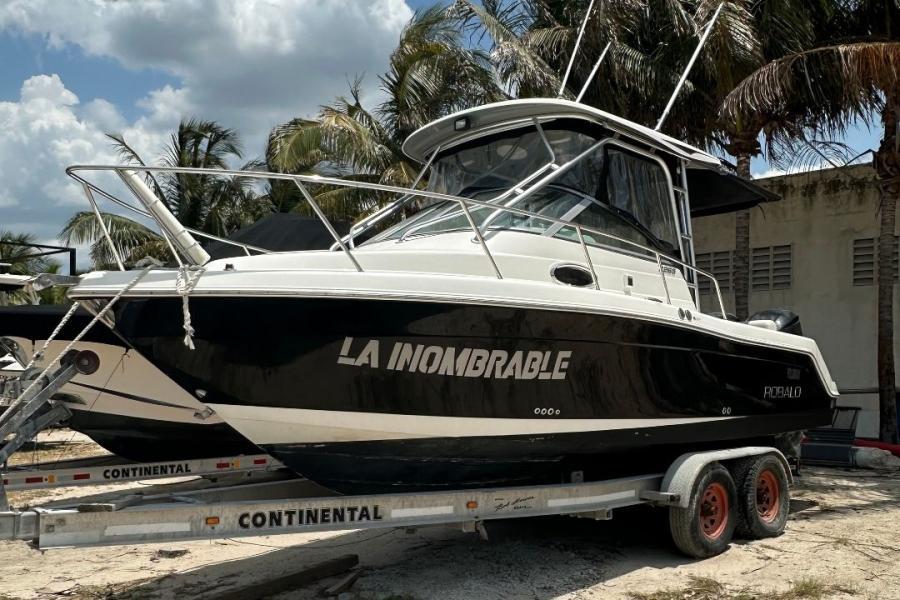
(820, 215)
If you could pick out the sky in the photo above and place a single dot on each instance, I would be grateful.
(72, 70)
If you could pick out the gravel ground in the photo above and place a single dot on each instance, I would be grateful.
(843, 541)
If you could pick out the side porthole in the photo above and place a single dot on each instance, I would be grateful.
(574, 275)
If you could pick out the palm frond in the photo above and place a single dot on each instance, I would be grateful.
(295, 146)
(828, 87)
(130, 155)
(126, 234)
(20, 257)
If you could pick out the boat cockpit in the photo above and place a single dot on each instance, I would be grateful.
(566, 170)
(551, 165)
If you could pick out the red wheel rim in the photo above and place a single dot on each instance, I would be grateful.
(768, 494)
(714, 510)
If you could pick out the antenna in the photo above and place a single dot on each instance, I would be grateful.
(593, 72)
(690, 65)
(587, 15)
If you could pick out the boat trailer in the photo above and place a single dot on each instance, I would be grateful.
(296, 505)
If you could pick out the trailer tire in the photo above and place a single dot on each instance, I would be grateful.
(706, 526)
(764, 501)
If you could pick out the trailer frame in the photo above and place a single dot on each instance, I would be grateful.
(299, 505)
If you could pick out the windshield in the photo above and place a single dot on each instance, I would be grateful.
(611, 190)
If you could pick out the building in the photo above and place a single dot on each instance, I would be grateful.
(813, 253)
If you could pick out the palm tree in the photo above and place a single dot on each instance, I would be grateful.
(431, 74)
(853, 72)
(215, 205)
(22, 260)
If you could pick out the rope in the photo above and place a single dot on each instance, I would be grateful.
(11, 410)
(185, 283)
(40, 353)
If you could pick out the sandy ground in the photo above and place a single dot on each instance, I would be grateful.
(843, 541)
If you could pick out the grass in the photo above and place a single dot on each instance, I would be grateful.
(705, 588)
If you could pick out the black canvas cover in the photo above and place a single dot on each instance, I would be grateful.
(280, 232)
(716, 191)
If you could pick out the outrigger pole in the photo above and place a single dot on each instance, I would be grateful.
(593, 72)
(688, 68)
(587, 15)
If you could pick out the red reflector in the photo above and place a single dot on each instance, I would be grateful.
(259, 461)
(78, 476)
(6, 482)
(223, 465)
(34, 480)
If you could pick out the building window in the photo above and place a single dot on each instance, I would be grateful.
(864, 253)
(770, 268)
(719, 264)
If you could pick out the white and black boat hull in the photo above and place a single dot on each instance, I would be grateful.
(368, 395)
(128, 407)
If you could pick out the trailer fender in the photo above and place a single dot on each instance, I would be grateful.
(680, 477)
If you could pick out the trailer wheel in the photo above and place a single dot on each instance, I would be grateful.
(705, 527)
(763, 497)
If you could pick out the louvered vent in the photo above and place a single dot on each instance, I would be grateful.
(864, 261)
(760, 268)
(865, 251)
(719, 265)
(770, 268)
(781, 267)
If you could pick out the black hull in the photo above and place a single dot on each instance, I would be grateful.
(151, 440)
(454, 463)
(297, 354)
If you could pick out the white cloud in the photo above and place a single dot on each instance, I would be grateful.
(44, 134)
(250, 64)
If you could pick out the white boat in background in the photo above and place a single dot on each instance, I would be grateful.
(128, 406)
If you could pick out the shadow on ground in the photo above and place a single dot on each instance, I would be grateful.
(526, 558)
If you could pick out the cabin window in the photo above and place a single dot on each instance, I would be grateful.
(638, 189)
(614, 191)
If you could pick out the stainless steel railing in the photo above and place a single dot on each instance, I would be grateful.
(465, 204)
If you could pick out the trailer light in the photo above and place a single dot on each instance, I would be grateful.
(223, 465)
(79, 476)
(471, 504)
(259, 461)
(212, 521)
(34, 479)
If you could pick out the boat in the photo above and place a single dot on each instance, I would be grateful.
(12, 283)
(538, 317)
(129, 407)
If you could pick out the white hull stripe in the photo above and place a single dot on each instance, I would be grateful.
(266, 425)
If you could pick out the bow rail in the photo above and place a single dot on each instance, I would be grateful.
(301, 181)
